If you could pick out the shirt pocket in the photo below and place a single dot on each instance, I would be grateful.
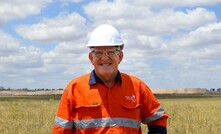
(131, 110)
(87, 110)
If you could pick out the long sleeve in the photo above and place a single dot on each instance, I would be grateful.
(153, 113)
(63, 123)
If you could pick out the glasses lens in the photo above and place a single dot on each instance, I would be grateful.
(111, 52)
(98, 53)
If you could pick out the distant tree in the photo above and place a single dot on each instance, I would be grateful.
(212, 89)
(2, 88)
(25, 89)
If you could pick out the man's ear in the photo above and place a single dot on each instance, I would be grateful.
(121, 56)
(90, 57)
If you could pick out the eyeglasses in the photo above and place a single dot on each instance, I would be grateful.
(110, 52)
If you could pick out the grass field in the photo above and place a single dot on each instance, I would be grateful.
(187, 115)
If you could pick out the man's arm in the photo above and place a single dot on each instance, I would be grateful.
(63, 123)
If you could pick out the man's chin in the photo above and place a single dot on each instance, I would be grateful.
(105, 73)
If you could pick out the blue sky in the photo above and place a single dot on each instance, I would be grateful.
(168, 44)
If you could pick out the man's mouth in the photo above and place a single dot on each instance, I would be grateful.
(105, 64)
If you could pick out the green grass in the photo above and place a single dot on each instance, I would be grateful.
(24, 115)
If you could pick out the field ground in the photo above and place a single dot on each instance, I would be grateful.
(188, 114)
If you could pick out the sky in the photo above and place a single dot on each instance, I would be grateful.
(168, 43)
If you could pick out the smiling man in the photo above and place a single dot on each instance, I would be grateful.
(105, 61)
(107, 101)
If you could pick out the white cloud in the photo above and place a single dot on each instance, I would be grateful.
(18, 63)
(203, 42)
(75, 1)
(14, 55)
(207, 35)
(8, 44)
(61, 28)
(67, 53)
(13, 9)
(172, 3)
(24, 57)
(144, 20)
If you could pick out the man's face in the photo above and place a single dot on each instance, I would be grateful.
(105, 61)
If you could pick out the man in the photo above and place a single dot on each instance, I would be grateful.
(107, 101)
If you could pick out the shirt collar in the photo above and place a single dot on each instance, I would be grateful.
(95, 79)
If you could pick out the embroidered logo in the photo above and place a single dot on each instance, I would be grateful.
(132, 98)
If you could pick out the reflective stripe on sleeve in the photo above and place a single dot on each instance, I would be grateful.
(106, 122)
(158, 114)
(63, 123)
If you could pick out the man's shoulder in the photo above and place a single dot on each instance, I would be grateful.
(128, 78)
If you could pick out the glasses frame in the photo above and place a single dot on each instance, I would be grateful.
(109, 52)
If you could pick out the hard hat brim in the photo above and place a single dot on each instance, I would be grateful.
(103, 45)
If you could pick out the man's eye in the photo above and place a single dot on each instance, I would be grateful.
(111, 52)
(98, 52)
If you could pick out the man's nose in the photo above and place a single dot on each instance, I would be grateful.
(105, 55)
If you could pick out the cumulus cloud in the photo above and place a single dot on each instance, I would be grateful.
(14, 55)
(148, 21)
(75, 1)
(63, 27)
(172, 3)
(24, 57)
(8, 44)
(19, 64)
(202, 42)
(14, 9)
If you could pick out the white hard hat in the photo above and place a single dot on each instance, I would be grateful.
(105, 35)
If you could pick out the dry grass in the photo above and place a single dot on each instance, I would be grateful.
(193, 116)
(186, 116)
(27, 116)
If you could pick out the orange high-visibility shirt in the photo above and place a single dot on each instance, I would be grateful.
(88, 106)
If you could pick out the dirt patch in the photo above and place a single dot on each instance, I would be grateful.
(29, 92)
(180, 91)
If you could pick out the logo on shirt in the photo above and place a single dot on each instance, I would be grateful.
(132, 98)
